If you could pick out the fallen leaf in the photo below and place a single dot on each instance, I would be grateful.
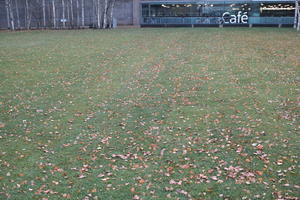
(132, 189)
(184, 166)
(136, 197)
(279, 162)
(260, 147)
(175, 183)
(260, 173)
(67, 196)
(81, 176)
(141, 181)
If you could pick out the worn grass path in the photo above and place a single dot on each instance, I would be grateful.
(150, 114)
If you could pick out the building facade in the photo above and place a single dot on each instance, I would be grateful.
(145, 13)
(216, 12)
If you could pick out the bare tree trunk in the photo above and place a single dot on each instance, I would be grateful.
(11, 15)
(99, 14)
(298, 11)
(44, 13)
(68, 12)
(26, 13)
(82, 12)
(54, 14)
(112, 14)
(18, 15)
(7, 14)
(77, 8)
(298, 26)
(63, 13)
(105, 14)
(72, 13)
(95, 11)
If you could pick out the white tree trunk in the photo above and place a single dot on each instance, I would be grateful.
(63, 13)
(26, 14)
(68, 12)
(298, 25)
(72, 12)
(94, 13)
(105, 14)
(54, 14)
(18, 15)
(11, 16)
(44, 13)
(112, 14)
(298, 11)
(82, 12)
(99, 14)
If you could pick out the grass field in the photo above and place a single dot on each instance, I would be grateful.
(150, 114)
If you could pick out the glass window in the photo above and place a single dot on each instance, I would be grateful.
(145, 10)
(277, 10)
(251, 9)
(213, 10)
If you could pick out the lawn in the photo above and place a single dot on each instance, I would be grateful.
(175, 113)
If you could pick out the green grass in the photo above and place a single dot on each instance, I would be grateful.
(150, 113)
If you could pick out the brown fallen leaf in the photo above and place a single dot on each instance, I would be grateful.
(169, 188)
(141, 181)
(259, 173)
(170, 169)
(184, 166)
(81, 176)
(172, 182)
(67, 196)
(90, 127)
(279, 162)
(132, 190)
(260, 147)
(239, 149)
(105, 179)
(136, 197)
(2, 125)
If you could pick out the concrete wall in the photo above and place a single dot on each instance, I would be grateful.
(124, 12)
(127, 12)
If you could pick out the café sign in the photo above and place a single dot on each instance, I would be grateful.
(240, 18)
